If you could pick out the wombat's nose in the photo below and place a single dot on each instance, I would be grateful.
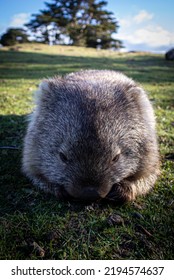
(89, 194)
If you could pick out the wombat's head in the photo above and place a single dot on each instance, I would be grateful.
(88, 133)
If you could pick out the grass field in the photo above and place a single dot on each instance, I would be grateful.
(34, 225)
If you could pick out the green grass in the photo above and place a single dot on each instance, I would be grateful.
(34, 225)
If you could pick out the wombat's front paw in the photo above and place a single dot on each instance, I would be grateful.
(121, 193)
(60, 193)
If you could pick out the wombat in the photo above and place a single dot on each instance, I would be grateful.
(92, 136)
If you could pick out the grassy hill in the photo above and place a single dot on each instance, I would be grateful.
(34, 225)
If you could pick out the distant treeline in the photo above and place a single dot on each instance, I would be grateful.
(75, 22)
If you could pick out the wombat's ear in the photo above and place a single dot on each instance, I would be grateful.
(43, 91)
(48, 88)
(44, 86)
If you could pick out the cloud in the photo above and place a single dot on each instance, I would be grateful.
(124, 22)
(19, 20)
(142, 16)
(147, 36)
(154, 36)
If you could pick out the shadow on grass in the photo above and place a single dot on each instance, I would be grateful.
(12, 129)
(28, 65)
(17, 193)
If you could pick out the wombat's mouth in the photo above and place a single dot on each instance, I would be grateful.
(66, 196)
(85, 196)
(113, 196)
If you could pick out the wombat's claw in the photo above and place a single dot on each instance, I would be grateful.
(112, 195)
(61, 194)
(117, 195)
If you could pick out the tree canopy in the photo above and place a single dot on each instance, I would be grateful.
(13, 36)
(83, 22)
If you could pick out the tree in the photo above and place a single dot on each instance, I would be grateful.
(84, 22)
(14, 36)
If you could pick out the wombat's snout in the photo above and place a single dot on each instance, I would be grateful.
(89, 194)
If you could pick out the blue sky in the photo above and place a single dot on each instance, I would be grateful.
(144, 25)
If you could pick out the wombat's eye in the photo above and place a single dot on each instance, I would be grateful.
(116, 158)
(128, 153)
(63, 157)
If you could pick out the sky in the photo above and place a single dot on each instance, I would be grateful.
(144, 25)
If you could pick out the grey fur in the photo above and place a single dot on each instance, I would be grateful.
(93, 135)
